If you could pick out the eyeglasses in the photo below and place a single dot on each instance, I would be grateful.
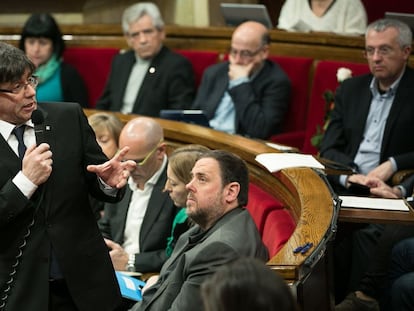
(141, 162)
(32, 81)
(383, 51)
(244, 53)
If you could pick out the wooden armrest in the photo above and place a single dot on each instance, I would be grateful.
(400, 176)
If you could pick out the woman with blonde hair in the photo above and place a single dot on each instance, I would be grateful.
(180, 164)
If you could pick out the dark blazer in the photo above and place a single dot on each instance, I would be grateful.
(260, 104)
(155, 229)
(170, 85)
(196, 256)
(345, 132)
(73, 87)
(64, 219)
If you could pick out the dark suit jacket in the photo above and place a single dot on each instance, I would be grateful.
(155, 229)
(196, 256)
(64, 220)
(170, 86)
(260, 104)
(345, 132)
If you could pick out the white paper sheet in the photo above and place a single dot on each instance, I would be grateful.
(277, 161)
(374, 203)
(280, 147)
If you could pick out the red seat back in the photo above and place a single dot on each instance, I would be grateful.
(200, 61)
(278, 228)
(298, 71)
(324, 79)
(93, 64)
(273, 221)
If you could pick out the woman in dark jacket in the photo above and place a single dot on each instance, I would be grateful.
(42, 42)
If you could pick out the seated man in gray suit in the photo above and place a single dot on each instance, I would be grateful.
(136, 228)
(249, 94)
(223, 232)
(149, 77)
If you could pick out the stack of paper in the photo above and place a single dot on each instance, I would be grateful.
(277, 161)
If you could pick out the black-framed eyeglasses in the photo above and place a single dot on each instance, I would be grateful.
(33, 81)
(141, 162)
(245, 53)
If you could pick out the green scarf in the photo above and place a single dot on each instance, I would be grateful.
(45, 71)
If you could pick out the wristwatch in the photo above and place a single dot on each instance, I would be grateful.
(130, 266)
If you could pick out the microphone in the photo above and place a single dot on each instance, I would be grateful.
(39, 128)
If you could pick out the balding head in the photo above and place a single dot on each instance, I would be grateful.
(250, 45)
(252, 33)
(143, 131)
(144, 136)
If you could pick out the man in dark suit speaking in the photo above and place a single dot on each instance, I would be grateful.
(52, 253)
(149, 77)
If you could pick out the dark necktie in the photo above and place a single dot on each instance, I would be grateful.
(18, 132)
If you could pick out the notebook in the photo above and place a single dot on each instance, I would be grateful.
(237, 13)
(189, 116)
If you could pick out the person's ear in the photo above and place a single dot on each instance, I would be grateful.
(232, 191)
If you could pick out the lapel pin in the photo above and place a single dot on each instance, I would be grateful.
(152, 70)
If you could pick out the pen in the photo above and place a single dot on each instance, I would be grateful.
(306, 248)
(303, 248)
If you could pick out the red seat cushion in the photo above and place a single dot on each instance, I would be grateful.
(275, 224)
(260, 204)
(278, 228)
(93, 64)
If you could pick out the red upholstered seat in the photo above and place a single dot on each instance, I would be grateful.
(278, 228)
(200, 61)
(274, 222)
(298, 70)
(324, 79)
(93, 64)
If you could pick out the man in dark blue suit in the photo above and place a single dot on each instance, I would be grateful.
(149, 77)
(368, 131)
(53, 256)
(249, 94)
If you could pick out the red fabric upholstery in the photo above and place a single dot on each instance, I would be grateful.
(93, 64)
(200, 61)
(298, 71)
(277, 229)
(324, 79)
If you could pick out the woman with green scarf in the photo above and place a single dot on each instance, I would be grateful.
(42, 42)
(180, 164)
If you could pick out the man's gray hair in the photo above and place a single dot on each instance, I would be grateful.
(405, 35)
(138, 10)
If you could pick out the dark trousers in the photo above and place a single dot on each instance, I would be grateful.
(402, 276)
(59, 297)
(376, 281)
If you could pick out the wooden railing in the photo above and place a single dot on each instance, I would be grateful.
(314, 45)
(301, 190)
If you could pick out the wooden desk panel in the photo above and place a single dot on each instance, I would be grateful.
(359, 215)
(316, 45)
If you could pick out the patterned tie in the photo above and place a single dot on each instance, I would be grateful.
(18, 132)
